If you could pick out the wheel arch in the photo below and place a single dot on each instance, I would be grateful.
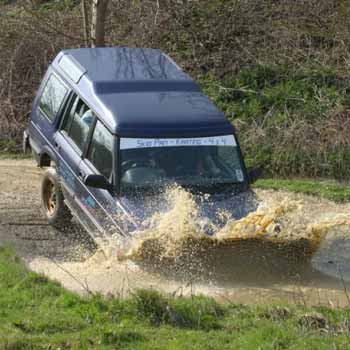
(46, 157)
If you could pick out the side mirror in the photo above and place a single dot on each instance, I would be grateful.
(98, 181)
(254, 174)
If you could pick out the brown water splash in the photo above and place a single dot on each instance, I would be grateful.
(281, 222)
(271, 245)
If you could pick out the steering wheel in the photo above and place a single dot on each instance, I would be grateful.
(135, 163)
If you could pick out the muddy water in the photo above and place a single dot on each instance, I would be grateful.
(293, 247)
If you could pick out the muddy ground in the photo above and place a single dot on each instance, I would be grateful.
(72, 258)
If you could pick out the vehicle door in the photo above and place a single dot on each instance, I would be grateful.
(99, 159)
(70, 142)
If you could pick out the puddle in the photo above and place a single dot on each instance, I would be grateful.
(290, 249)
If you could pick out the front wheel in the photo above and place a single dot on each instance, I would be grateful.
(52, 200)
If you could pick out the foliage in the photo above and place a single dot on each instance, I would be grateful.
(278, 69)
(289, 122)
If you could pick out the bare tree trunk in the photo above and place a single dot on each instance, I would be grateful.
(99, 9)
(85, 22)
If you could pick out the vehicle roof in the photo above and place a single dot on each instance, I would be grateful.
(140, 92)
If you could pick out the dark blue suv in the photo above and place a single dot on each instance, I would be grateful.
(115, 126)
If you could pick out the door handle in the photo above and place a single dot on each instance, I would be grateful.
(57, 146)
(81, 175)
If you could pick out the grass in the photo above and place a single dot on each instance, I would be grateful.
(9, 146)
(291, 121)
(36, 313)
(6, 155)
(323, 188)
(252, 93)
(9, 149)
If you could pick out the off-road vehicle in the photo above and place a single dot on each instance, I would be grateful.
(115, 126)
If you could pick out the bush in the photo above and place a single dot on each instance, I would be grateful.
(290, 122)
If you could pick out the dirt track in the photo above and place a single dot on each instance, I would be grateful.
(22, 223)
(72, 258)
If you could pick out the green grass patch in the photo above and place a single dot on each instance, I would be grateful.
(9, 146)
(324, 188)
(10, 149)
(36, 313)
(54, 5)
(291, 121)
(287, 93)
(7, 155)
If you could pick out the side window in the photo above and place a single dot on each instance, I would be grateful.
(77, 124)
(101, 150)
(52, 97)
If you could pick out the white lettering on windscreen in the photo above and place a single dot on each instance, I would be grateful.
(132, 143)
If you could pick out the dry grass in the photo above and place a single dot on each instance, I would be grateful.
(212, 38)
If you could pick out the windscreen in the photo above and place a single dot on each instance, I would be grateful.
(187, 161)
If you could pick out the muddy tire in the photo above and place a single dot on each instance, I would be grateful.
(52, 200)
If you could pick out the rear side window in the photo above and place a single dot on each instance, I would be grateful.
(78, 123)
(52, 97)
(101, 150)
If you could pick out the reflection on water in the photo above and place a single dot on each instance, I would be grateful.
(284, 239)
(333, 257)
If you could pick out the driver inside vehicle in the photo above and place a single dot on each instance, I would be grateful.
(164, 165)
(195, 163)
(206, 166)
(141, 168)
